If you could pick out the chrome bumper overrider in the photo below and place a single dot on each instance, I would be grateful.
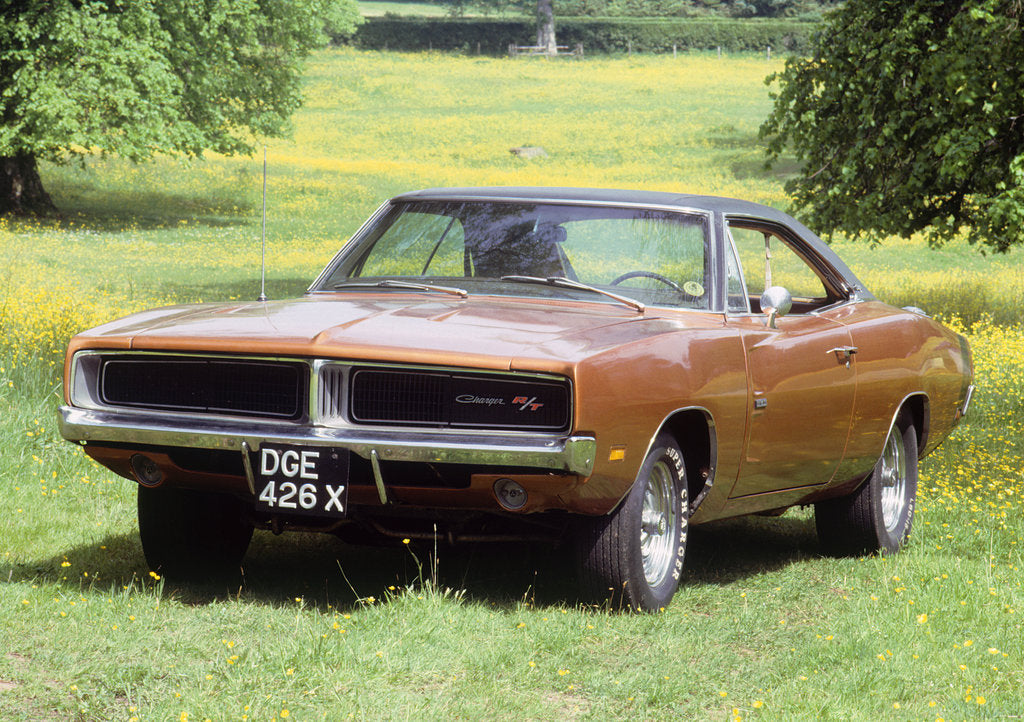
(572, 454)
(967, 401)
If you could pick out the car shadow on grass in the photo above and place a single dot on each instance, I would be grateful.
(734, 549)
(323, 571)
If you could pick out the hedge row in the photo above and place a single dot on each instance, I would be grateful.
(596, 35)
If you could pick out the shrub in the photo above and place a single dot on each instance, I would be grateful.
(597, 35)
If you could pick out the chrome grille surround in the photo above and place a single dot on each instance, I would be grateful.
(323, 396)
(205, 385)
(269, 389)
(454, 398)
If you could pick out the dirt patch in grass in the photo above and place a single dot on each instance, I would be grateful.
(5, 684)
(28, 707)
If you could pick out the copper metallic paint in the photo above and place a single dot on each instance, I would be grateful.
(822, 430)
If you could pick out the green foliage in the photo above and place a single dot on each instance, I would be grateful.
(597, 35)
(341, 18)
(767, 8)
(136, 77)
(726, 8)
(645, 8)
(907, 117)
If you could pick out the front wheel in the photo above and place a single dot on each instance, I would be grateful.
(192, 536)
(634, 556)
(878, 516)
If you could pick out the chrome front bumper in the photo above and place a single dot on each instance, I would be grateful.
(571, 454)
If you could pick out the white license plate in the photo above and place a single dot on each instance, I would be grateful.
(302, 480)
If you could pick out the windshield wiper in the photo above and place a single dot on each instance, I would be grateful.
(563, 282)
(408, 285)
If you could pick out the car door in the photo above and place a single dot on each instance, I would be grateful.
(801, 369)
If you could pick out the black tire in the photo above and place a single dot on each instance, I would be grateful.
(634, 556)
(876, 517)
(193, 536)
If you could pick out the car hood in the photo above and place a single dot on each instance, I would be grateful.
(483, 332)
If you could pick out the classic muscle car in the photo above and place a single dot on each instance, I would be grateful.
(599, 367)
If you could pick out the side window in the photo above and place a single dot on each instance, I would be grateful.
(767, 260)
(736, 290)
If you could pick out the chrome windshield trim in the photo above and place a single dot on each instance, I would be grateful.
(574, 454)
(554, 199)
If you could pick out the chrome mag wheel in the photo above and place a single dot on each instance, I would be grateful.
(658, 525)
(893, 481)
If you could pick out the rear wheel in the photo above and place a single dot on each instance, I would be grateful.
(634, 556)
(192, 536)
(878, 516)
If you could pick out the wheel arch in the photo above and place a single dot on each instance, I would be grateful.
(918, 407)
(694, 430)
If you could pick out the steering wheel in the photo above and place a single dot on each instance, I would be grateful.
(650, 274)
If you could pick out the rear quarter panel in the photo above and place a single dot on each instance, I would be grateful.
(901, 354)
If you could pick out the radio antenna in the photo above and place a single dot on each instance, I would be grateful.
(263, 234)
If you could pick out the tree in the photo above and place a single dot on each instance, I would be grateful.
(909, 117)
(542, 10)
(140, 77)
(546, 27)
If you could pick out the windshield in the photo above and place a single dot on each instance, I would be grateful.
(653, 256)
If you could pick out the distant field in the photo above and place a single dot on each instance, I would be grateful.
(763, 627)
(372, 8)
(378, 124)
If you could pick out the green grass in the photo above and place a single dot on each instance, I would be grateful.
(764, 627)
(375, 8)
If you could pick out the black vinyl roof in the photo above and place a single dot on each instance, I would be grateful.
(683, 201)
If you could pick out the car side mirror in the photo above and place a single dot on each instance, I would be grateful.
(775, 302)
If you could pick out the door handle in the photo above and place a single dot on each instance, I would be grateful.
(843, 353)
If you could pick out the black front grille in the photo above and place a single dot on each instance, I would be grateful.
(427, 398)
(206, 385)
(394, 396)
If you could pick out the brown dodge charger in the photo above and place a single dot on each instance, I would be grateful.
(598, 367)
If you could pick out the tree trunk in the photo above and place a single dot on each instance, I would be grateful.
(21, 189)
(546, 27)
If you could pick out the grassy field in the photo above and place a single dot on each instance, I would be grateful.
(373, 8)
(764, 627)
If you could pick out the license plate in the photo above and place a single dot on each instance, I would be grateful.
(302, 480)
